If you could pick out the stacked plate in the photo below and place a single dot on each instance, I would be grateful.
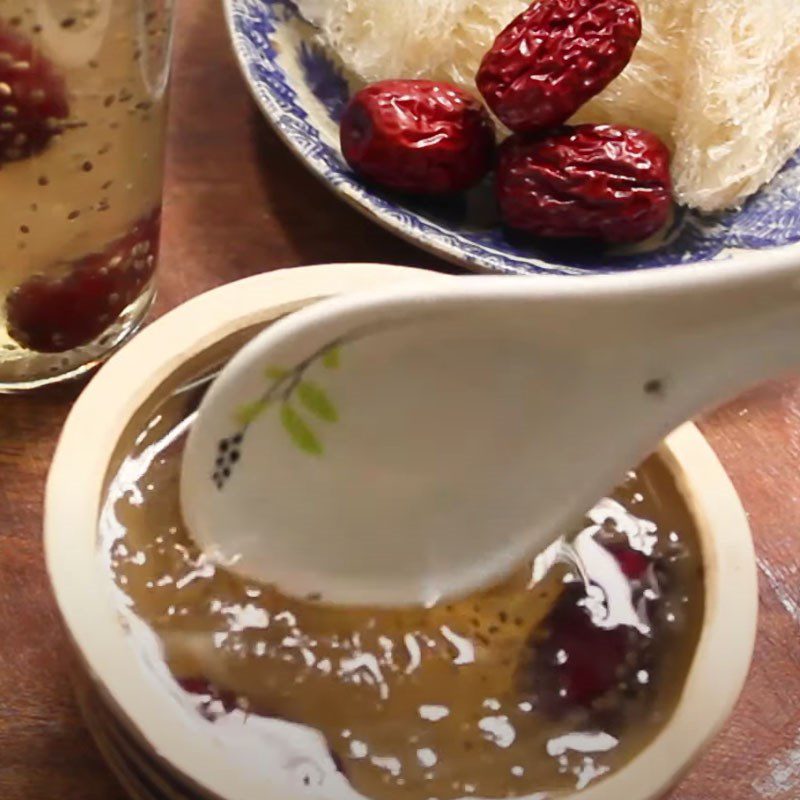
(136, 769)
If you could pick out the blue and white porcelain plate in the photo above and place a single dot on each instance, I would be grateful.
(302, 93)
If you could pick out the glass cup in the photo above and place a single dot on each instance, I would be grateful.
(83, 105)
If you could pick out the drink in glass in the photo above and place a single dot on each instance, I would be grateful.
(83, 87)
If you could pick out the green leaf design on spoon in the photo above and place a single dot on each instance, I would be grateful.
(332, 357)
(285, 387)
(300, 433)
(248, 413)
(316, 400)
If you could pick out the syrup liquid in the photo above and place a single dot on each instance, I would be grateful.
(491, 696)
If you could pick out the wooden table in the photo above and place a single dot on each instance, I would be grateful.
(237, 203)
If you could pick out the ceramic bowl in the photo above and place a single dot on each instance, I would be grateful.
(155, 726)
(302, 93)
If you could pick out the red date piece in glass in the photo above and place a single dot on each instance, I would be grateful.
(591, 181)
(418, 136)
(556, 56)
(33, 98)
(53, 315)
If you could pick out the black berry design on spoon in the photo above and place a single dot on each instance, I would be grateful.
(297, 398)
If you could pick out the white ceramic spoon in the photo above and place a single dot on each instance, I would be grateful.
(404, 445)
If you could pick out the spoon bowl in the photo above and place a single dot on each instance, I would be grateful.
(398, 447)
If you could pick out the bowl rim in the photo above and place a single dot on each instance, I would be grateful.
(78, 474)
(436, 238)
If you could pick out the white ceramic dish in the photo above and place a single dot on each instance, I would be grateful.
(302, 92)
(132, 679)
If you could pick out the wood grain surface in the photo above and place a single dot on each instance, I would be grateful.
(237, 203)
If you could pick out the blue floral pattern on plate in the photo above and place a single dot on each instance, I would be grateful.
(303, 92)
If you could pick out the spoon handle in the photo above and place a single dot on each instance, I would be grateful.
(682, 340)
(702, 342)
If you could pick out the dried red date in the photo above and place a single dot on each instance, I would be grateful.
(577, 662)
(556, 56)
(633, 563)
(55, 314)
(575, 659)
(418, 136)
(33, 98)
(595, 181)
